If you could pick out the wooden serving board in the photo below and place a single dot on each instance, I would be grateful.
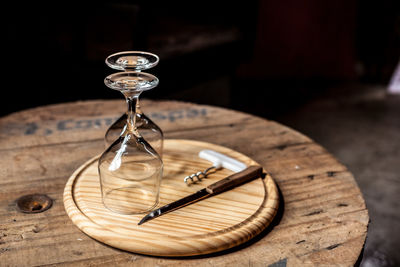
(214, 224)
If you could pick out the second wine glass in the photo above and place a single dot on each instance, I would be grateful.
(135, 61)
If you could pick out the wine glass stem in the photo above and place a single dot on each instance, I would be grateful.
(131, 101)
(138, 110)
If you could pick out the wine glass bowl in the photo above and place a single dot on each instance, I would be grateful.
(134, 61)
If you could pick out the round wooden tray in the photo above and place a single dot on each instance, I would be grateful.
(214, 224)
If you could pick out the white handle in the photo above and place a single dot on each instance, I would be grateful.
(220, 160)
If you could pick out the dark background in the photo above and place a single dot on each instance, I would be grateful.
(321, 67)
(263, 57)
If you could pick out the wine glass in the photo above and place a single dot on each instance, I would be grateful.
(130, 169)
(135, 61)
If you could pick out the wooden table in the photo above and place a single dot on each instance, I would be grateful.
(322, 219)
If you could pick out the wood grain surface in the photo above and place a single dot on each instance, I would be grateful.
(213, 224)
(322, 220)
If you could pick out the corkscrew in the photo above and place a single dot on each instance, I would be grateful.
(219, 161)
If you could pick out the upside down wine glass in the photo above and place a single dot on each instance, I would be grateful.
(130, 169)
(135, 61)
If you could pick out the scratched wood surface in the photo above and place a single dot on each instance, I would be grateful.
(213, 224)
(322, 220)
